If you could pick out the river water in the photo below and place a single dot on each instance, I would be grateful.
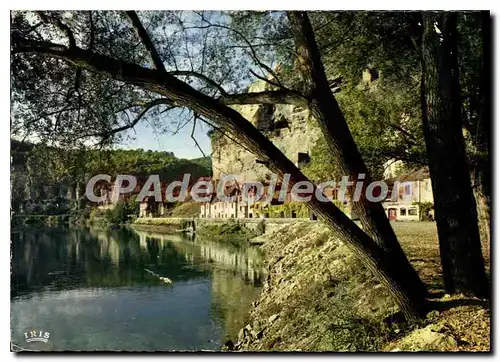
(90, 289)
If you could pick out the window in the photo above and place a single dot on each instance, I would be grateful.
(281, 123)
(412, 211)
(407, 189)
(402, 211)
(264, 117)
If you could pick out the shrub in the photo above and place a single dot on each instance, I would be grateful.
(425, 209)
(32, 220)
(261, 227)
(120, 214)
(95, 213)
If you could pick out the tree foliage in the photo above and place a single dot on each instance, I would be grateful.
(40, 167)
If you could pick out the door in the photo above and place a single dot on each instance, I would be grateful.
(392, 214)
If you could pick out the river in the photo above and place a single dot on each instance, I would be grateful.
(99, 289)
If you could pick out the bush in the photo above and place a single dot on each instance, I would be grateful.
(230, 232)
(52, 220)
(425, 209)
(186, 209)
(95, 214)
(32, 220)
(120, 214)
(261, 227)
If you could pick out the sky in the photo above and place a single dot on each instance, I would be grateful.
(181, 144)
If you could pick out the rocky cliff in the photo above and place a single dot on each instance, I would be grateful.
(287, 126)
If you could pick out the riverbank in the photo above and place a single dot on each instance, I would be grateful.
(165, 225)
(232, 233)
(224, 231)
(39, 220)
(317, 297)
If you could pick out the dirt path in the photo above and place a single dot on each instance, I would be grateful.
(466, 319)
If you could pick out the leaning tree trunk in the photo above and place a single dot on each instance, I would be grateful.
(326, 111)
(455, 209)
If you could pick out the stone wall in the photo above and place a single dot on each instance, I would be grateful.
(270, 224)
(286, 126)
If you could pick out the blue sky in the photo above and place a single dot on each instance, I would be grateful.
(181, 144)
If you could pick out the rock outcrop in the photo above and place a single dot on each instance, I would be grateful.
(287, 126)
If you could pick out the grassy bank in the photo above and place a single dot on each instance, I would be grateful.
(160, 228)
(318, 297)
(165, 222)
(230, 233)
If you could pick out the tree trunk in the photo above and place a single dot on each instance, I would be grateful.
(455, 209)
(330, 118)
(482, 171)
(483, 213)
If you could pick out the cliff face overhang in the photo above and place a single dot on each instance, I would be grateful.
(287, 126)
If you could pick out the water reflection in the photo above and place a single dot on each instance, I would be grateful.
(91, 288)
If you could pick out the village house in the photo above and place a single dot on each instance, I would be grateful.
(237, 208)
(225, 209)
(251, 207)
(407, 195)
(148, 206)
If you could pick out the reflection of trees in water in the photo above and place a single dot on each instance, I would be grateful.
(246, 263)
(231, 300)
(35, 254)
(236, 272)
(61, 259)
(69, 258)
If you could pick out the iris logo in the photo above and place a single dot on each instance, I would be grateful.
(36, 336)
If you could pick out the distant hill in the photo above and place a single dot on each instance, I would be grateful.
(37, 169)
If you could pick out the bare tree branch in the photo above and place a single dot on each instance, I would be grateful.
(194, 138)
(63, 27)
(92, 31)
(146, 40)
(200, 76)
(266, 97)
(132, 124)
(253, 54)
(267, 80)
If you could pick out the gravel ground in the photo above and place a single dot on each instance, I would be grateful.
(466, 319)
